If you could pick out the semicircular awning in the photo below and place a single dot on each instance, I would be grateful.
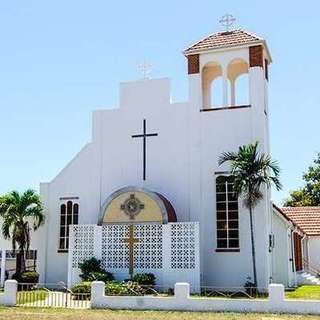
(137, 205)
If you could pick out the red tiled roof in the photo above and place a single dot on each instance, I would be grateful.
(306, 218)
(224, 39)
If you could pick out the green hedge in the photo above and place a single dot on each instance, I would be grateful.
(112, 288)
(26, 277)
(91, 270)
(83, 287)
(144, 279)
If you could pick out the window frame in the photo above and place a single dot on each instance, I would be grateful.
(225, 195)
(69, 215)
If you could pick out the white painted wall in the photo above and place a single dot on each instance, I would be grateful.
(314, 252)
(282, 255)
(181, 164)
(80, 178)
(226, 130)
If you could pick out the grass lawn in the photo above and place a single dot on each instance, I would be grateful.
(305, 292)
(68, 314)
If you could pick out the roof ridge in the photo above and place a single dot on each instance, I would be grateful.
(244, 37)
(303, 207)
(204, 38)
(251, 34)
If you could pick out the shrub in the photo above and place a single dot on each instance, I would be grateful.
(133, 288)
(88, 266)
(92, 271)
(83, 287)
(116, 288)
(26, 277)
(112, 288)
(144, 279)
(100, 276)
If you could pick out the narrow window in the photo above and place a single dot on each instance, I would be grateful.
(69, 215)
(227, 215)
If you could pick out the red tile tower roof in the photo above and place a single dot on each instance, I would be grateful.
(306, 218)
(224, 39)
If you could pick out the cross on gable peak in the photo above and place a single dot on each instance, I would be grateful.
(145, 68)
(227, 21)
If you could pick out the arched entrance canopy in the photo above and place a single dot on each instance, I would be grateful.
(136, 205)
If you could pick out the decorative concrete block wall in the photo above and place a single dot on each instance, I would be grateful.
(276, 303)
(170, 251)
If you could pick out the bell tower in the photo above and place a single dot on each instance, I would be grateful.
(229, 70)
(228, 98)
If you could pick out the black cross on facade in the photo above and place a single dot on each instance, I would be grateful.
(144, 135)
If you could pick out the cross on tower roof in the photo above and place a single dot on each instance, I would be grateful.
(227, 21)
(145, 68)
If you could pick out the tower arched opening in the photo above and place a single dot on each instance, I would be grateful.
(212, 85)
(238, 75)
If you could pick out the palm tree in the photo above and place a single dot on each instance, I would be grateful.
(20, 214)
(251, 171)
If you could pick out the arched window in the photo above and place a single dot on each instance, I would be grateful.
(69, 215)
(227, 215)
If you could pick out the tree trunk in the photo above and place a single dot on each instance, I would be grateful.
(20, 261)
(23, 261)
(253, 249)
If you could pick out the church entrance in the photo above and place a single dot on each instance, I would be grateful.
(297, 240)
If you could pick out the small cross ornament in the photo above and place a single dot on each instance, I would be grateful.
(227, 21)
(145, 69)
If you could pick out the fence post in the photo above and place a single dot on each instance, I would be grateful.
(182, 291)
(97, 292)
(276, 294)
(3, 267)
(9, 298)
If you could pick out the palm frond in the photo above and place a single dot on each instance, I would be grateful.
(36, 213)
(6, 228)
(227, 156)
(251, 170)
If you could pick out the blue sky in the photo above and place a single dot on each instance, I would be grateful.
(59, 60)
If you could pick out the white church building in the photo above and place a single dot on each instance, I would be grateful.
(146, 194)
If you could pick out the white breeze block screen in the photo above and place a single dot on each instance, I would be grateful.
(170, 251)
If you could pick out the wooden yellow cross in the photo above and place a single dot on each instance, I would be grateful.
(131, 240)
